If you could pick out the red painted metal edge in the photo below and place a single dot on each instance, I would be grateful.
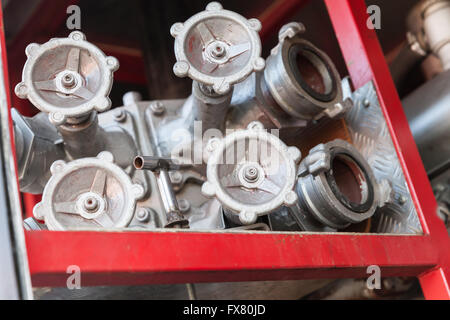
(435, 284)
(171, 257)
(365, 62)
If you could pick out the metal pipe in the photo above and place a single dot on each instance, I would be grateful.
(38, 145)
(191, 291)
(169, 200)
(154, 163)
(83, 139)
(436, 24)
(209, 107)
(404, 61)
(428, 113)
(160, 166)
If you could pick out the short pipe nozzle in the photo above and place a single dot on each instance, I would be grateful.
(154, 163)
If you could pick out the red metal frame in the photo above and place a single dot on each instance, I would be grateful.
(177, 257)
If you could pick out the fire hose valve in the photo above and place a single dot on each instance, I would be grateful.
(68, 78)
(217, 48)
(252, 173)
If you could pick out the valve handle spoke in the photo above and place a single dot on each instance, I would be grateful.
(104, 220)
(231, 181)
(73, 60)
(205, 33)
(209, 67)
(238, 49)
(83, 92)
(99, 183)
(46, 85)
(269, 187)
(66, 207)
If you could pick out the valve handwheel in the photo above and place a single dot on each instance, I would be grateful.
(67, 78)
(88, 193)
(217, 48)
(252, 173)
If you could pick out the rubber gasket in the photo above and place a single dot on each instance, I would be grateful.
(356, 207)
(292, 56)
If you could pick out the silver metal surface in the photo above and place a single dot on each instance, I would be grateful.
(252, 173)
(436, 24)
(38, 145)
(220, 50)
(428, 112)
(161, 166)
(257, 290)
(83, 139)
(32, 224)
(336, 185)
(370, 135)
(429, 25)
(301, 78)
(217, 47)
(210, 109)
(67, 78)
(88, 193)
(10, 285)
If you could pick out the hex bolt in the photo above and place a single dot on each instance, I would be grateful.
(366, 103)
(143, 215)
(140, 183)
(402, 199)
(251, 174)
(90, 204)
(175, 177)
(184, 205)
(212, 144)
(68, 80)
(157, 108)
(218, 51)
(120, 115)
